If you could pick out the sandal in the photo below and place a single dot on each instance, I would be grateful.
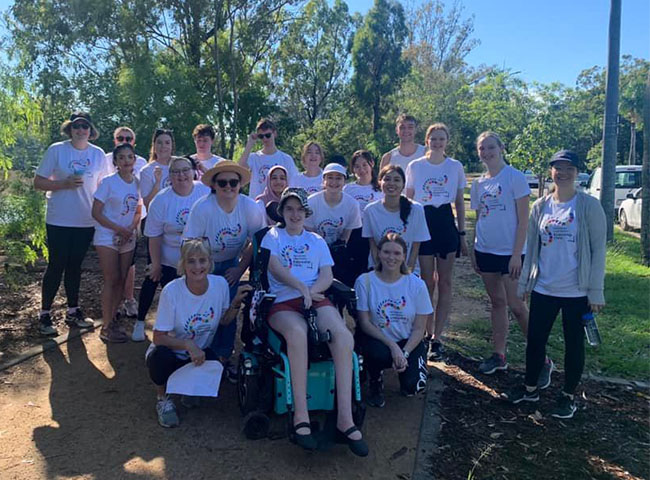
(306, 440)
(358, 447)
(113, 334)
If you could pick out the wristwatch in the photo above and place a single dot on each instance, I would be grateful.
(406, 353)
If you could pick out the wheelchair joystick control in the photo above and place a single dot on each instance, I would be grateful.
(315, 337)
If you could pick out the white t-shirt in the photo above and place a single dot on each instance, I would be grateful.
(435, 184)
(558, 254)
(72, 207)
(147, 179)
(494, 200)
(139, 164)
(227, 232)
(260, 164)
(377, 222)
(168, 214)
(210, 162)
(191, 316)
(396, 158)
(303, 255)
(364, 194)
(120, 201)
(329, 222)
(309, 184)
(393, 306)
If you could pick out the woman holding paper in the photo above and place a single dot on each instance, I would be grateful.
(191, 309)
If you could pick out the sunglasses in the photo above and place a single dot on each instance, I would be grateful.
(122, 138)
(233, 182)
(181, 171)
(81, 125)
(205, 241)
(264, 135)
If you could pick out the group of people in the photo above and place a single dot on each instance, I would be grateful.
(393, 235)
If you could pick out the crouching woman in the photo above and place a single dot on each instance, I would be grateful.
(190, 311)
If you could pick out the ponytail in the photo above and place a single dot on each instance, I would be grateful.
(405, 207)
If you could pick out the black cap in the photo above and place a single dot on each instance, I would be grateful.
(80, 116)
(566, 156)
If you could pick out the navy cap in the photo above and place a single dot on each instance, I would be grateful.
(566, 156)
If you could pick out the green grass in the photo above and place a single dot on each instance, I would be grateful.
(624, 323)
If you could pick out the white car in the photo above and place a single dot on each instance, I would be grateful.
(629, 213)
(628, 178)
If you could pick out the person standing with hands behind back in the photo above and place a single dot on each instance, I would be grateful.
(260, 162)
(70, 173)
(564, 269)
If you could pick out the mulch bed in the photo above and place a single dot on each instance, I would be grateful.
(483, 437)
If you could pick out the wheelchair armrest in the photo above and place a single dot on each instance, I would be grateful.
(342, 295)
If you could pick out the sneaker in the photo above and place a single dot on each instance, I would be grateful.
(166, 411)
(232, 374)
(544, 379)
(45, 326)
(520, 394)
(131, 308)
(121, 310)
(190, 401)
(78, 319)
(436, 351)
(492, 364)
(376, 393)
(565, 407)
(138, 331)
(113, 334)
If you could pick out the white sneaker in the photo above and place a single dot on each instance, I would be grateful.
(166, 410)
(138, 332)
(131, 308)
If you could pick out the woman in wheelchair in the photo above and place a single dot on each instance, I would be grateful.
(300, 270)
(392, 307)
(190, 311)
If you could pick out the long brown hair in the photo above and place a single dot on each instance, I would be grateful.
(395, 238)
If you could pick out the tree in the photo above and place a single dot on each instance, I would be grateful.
(312, 61)
(645, 177)
(377, 56)
(634, 73)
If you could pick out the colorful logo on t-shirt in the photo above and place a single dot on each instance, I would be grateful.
(360, 197)
(226, 235)
(181, 216)
(129, 203)
(262, 172)
(435, 187)
(199, 322)
(327, 228)
(491, 201)
(390, 309)
(556, 228)
(79, 166)
(312, 189)
(393, 229)
(295, 255)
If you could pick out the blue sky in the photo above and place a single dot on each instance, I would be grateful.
(547, 41)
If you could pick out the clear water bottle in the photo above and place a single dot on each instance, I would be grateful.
(591, 329)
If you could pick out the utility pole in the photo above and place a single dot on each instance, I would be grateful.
(610, 126)
(645, 178)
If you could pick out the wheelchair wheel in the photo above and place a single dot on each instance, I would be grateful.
(358, 413)
(256, 425)
(247, 390)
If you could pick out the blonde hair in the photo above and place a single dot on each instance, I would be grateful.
(123, 129)
(306, 147)
(192, 246)
(437, 126)
(490, 134)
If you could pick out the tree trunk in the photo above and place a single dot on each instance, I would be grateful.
(645, 178)
(611, 118)
(221, 107)
(632, 157)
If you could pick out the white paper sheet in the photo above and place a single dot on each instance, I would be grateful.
(201, 381)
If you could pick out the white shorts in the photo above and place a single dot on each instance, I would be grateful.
(106, 238)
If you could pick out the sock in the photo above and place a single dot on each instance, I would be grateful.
(531, 389)
(43, 312)
(568, 395)
(72, 310)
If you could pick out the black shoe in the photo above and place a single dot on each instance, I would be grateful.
(376, 393)
(436, 351)
(544, 380)
(45, 326)
(307, 440)
(358, 447)
(78, 319)
(520, 394)
(565, 407)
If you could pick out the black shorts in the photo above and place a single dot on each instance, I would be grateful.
(491, 263)
(443, 231)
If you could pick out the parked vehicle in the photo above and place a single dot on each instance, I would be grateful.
(628, 179)
(582, 181)
(629, 213)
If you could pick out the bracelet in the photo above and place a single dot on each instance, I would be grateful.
(406, 353)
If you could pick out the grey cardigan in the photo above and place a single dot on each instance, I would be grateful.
(592, 238)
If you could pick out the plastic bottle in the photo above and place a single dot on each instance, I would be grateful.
(591, 329)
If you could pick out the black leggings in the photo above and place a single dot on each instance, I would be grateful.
(543, 312)
(67, 248)
(162, 362)
(377, 357)
(148, 290)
